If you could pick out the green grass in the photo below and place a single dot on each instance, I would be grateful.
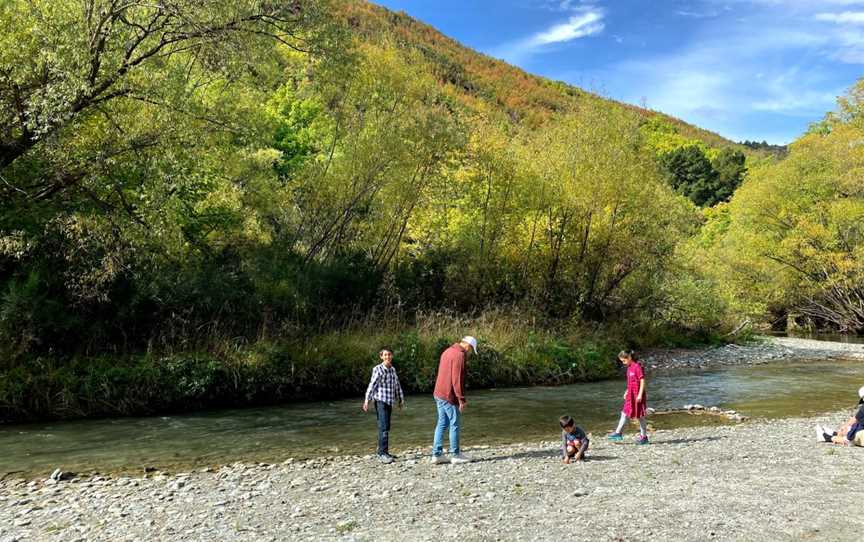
(346, 527)
(513, 352)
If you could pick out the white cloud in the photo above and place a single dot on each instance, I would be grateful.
(584, 21)
(789, 102)
(697, 14)
(846, 17)
(565, 5)
(726, 79)
(579, 26)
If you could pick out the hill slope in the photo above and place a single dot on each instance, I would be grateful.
(485, 83)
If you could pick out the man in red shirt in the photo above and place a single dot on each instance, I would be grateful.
(450, 399)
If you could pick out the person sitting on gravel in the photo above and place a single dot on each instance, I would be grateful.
(635, 398)
(574, 441)
(845, 433)
(385, 390)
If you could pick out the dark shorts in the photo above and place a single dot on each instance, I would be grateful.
(585, 444)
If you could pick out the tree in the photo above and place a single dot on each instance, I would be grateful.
(60, 61)
(794, 244)
(689, 172)
(608, 225)
(730, 167)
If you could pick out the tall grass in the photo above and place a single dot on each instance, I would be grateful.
(514, 351)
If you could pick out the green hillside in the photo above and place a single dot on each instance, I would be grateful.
(485, 84)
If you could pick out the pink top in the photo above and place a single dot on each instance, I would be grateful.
(634, 375)
(633, 408)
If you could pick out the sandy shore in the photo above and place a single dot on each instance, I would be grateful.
(761, 480)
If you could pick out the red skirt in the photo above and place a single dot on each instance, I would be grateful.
(633, 408)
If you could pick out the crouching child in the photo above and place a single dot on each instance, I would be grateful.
(574, 441)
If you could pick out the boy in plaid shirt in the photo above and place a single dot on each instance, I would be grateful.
(384, 388)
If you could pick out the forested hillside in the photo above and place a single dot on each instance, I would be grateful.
(487, 85)
(210, 204)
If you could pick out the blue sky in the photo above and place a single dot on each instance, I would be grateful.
(747, 69)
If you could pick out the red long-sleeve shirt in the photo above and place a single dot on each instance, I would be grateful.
(451, 376)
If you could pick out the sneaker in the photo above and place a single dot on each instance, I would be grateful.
(439, 460)
(642, 439)
(391, 456)
(386, 459)
(826, 434)
(614, 436)
(820, 433)
(460, 458)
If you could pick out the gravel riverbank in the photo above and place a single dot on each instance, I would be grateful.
(764, 350)
(761, 480)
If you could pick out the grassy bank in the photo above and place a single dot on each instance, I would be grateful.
(324, 366)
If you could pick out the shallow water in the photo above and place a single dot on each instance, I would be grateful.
(782, 389)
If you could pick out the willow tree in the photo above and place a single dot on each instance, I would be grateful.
(387, 136)
(794, 235)
(610, 224)
(134, 146)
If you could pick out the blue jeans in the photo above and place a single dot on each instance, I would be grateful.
(448, 415)
(383, 411)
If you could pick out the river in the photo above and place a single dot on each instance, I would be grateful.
(776, 390)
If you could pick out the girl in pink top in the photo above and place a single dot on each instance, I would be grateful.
(635, 398)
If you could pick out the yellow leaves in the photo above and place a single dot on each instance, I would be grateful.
(264, 158)
(234, 221)
(14, 244)
(662, 138)
(796, 227)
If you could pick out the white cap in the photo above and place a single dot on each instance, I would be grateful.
(473, 342)
(860, 390)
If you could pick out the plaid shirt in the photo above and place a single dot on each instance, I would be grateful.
(384, 385)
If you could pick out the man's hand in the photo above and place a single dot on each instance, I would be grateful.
(401, 404)
(365, 406)
(462, 406)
